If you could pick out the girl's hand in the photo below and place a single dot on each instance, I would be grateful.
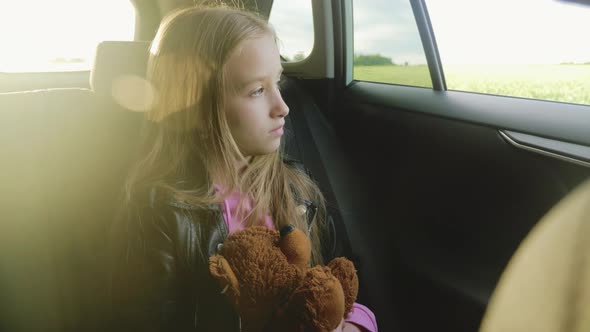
(347, 327)
(339, 328)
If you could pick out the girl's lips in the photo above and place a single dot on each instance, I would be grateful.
(277, 132)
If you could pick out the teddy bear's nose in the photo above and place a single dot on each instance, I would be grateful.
(286, 230)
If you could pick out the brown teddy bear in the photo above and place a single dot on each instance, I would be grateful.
(268, 278)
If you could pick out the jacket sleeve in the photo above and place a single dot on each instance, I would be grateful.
(145, 281)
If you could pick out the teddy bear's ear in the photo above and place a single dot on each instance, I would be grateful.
(220, 270)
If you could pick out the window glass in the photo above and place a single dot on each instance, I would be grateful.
(293, 23)
(59, 35)
(527, 48)
(387, 45)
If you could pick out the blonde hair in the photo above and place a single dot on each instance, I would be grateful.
(188, 143)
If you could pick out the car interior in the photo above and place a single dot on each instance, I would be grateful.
(431, 191)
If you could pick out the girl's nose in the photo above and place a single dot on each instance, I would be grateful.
(280, 109)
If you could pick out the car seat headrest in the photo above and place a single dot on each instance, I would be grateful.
(119, 71)
(114, 59)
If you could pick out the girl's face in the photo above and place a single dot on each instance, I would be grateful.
(256, 111)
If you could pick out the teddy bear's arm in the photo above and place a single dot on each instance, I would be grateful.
(296, 246)
(220, 270)
(344, 270)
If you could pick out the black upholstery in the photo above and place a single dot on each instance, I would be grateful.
(65, 153)
(61, 172)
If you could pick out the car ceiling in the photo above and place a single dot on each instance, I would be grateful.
(150, 12)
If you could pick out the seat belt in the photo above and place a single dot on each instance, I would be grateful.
(305, 150)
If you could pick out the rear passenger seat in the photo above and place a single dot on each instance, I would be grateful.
(65, 153)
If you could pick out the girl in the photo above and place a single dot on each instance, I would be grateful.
(213, 135)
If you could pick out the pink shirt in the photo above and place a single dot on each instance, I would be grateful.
(360, 315)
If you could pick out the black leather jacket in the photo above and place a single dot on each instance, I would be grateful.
(161, 280)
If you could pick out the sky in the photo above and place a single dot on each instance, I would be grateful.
(467, 31)
(510, 31)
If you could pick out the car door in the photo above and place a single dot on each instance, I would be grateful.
(459, 173)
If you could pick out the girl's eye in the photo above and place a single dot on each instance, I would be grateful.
(257, 92)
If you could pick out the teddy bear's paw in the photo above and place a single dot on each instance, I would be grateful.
(318, 303)
(296, 246)
(344, 270)
(222, 272)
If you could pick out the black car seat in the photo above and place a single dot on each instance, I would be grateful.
(65, 153)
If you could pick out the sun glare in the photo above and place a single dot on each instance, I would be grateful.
(59, 35)
(510, 32)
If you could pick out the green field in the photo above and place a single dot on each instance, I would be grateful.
(565, 83)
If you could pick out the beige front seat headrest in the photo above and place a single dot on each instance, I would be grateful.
(546, 285)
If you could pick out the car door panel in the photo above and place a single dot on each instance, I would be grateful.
(455, 198)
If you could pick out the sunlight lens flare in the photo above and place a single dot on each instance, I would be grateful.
(133, 93)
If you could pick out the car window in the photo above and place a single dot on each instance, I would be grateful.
(527, 48)
(293, 23)
(387, 45)
(60, 35)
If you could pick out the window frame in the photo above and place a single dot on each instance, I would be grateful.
(430, 47)
(320, 61)
(566, 122)
(427, 39)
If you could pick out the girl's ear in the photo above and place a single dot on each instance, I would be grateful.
(220, 270)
